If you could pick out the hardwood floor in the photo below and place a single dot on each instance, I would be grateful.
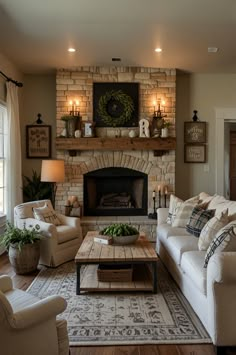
(23, 281)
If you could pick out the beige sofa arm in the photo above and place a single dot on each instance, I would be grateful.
(221, 268)
(45, 228)
(5, 283)
(162, 214)
(69, 221)
(38, 312)
(221, 300)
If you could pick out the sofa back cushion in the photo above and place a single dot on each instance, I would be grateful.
(225, 240)
(211, 228)
(198, 219)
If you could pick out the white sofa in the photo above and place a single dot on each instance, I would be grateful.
(211, 291)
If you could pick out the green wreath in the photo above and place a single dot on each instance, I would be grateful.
(124, 99)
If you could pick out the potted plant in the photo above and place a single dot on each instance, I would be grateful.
(35, 189)
(165, 129)
(23, 247)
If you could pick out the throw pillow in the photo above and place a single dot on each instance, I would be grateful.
(174, 203)
(183, 214)
(225, 240)
(198, 219)
(46, 214)
(211, 228)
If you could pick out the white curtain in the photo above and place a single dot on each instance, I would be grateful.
(13, 160)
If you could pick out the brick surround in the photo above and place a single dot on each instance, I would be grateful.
(78, 84)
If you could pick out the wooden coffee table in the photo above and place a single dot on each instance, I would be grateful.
(141, 254)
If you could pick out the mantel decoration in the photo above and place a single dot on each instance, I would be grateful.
(38, 140)
(115, 104)
(158, 120)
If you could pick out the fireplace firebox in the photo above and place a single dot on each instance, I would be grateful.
(115, 191)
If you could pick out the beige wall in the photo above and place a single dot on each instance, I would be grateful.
(39, 96)
(203, 92)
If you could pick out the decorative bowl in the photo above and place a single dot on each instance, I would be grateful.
(124, 240)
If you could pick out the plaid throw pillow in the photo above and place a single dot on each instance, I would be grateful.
(198, 219)
(225, 240)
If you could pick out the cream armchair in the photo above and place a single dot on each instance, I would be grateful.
(28, 326)
(61, 242)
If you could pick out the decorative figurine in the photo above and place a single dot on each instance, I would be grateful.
(144, 128)
(195, 118)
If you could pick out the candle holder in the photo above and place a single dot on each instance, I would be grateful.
(154, 214)
(159, 199)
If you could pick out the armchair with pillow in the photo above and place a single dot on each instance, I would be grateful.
(62, 234)
(196, 240)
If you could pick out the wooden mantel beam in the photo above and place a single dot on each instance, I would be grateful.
(121, 143)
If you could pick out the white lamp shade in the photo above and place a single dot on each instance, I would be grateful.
(53, 171)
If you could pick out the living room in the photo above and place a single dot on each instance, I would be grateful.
(207, 87)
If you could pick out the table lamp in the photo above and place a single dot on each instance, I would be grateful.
(53, 171)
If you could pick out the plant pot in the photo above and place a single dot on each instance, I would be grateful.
(164, 132)
(25, 260)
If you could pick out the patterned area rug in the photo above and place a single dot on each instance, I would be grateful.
(122, 318)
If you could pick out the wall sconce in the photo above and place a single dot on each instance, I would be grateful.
(157, 121)
(74, 108)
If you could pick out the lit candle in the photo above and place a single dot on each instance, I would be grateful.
(166, 191)
(154, 194)
(159, 187)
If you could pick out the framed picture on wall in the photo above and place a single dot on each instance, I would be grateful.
(38, 141)
(195, 153)
(195, 132)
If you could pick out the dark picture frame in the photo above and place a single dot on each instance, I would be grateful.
(194, 153)
(195, 132)
(116, 104)
(38, 141)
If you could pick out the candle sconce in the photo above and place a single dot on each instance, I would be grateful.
(157, 121)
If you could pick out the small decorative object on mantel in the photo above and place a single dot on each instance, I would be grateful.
(165, 129)
(157, 121)
(88, 129)
(144, 128)
(72, 123)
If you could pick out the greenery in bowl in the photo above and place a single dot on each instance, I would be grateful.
(19, 237)
(119, 230)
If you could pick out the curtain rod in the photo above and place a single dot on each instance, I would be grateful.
(17, 83)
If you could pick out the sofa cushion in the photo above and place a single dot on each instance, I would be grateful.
(220, 203)
(165, 231)
(183, 214)
(211, 228)
(225, 240)
(175, 202)
(176, 246)
(192, 264)
(46, 214)
(198, 219)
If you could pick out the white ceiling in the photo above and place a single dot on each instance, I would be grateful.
(35, 35)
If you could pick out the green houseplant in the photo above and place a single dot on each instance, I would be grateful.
(23, 247)
(35, 189)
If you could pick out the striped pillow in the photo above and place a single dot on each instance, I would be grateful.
(183, 214)
(225, 240)
(198, 219)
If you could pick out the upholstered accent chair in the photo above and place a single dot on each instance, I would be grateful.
(61, 240)
(28, 325)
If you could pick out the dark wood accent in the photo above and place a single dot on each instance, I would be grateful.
(23, 282)
(123, 143)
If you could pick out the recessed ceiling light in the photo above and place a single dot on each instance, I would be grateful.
(212, 49)
(158, 50)
(71, 50)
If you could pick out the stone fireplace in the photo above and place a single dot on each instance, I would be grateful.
(154, 170)
(115, 191)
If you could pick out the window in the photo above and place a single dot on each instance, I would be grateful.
(3, 141)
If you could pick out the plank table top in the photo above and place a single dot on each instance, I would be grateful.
(94, 252)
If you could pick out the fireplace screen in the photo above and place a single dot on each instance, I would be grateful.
(115, 191)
